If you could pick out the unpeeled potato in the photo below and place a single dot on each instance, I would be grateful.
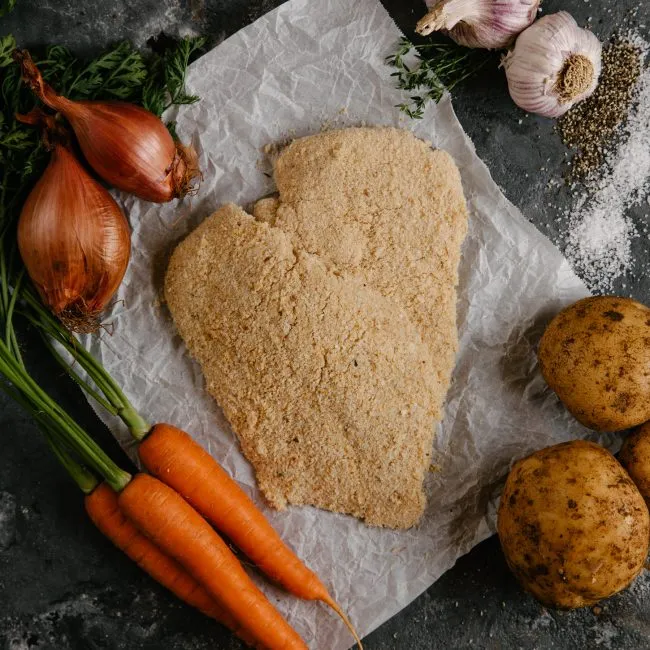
(635, 457)
(573, 526)
(595, 355)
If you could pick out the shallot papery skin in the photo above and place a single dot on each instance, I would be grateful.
(488, 24)
(74, 240)
(130, 148)
(127, 145)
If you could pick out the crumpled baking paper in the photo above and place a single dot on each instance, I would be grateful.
(303, 67)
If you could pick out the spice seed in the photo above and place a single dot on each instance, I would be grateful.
(590, 126)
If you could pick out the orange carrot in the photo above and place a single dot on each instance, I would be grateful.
(172, 455)
(104, 511)
(179, 531)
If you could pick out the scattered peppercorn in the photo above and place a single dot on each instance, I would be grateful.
(590, 127)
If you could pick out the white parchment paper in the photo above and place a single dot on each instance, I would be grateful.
(300, 67)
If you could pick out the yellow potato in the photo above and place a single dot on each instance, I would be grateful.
(596, 356)
(572, 524)
(635, 457)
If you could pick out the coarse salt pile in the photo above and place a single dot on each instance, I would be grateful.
(599, 240)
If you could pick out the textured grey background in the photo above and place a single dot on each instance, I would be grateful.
(63, 586)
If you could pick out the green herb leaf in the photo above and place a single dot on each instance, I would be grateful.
(165, 85)
(15, 139)
(119, 73)
(175, 64)
(7, 46)
(439, 67)
(6, 6)
(174, 68)
(154, 91)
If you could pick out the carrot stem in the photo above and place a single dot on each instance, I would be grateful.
(137, 425)
(7, 303)
(81, 476)
(78, 473)
(40, 402)
(50, 327)
(120, 404)
(45, 410)
(75, 376)
(10, 335)
(4, 288)
(57, 426)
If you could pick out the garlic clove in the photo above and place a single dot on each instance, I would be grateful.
(554, 65)
(446, 14)
(490, 24)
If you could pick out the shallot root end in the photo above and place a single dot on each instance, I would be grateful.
(186, 174)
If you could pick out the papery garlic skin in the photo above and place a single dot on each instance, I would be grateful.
(549, 53)
(488, 24)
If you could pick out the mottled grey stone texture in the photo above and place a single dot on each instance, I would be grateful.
(62, 586)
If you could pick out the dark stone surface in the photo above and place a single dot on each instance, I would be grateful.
(62, 585)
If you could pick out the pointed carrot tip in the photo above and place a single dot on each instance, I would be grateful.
(336, 607)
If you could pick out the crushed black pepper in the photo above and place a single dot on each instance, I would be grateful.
(590, 127)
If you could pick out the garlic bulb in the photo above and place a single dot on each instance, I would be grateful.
(489, 24)
(554, 65)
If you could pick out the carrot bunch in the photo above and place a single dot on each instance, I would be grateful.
(103, 507)
(164, 520)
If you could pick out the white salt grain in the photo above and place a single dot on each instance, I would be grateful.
(599, 246)
(599, 241)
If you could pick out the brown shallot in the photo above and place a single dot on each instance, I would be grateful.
(128, 146)
(72, 236)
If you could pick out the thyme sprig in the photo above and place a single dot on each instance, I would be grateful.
(439, 67)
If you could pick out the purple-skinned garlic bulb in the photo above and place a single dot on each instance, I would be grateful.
(488, 24)
(554, 65)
